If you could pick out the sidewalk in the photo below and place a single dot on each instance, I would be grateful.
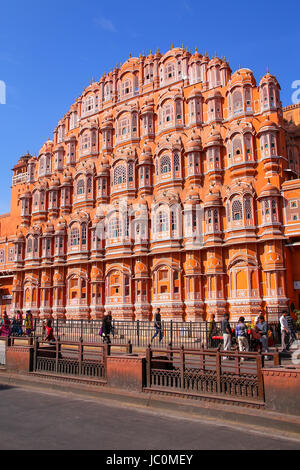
(258, 420)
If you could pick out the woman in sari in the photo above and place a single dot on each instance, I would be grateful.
(28, 323)
(20, 323)
(5, 325)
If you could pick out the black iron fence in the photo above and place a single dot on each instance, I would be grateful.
(234, 375)
(140, 333)
(70, 358)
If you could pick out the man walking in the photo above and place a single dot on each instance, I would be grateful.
(227, 333)
(157, 325)
(106, 328)
(285, 333)
(241, 333)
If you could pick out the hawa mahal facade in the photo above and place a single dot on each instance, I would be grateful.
(171, 182)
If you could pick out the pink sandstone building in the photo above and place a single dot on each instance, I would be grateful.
(171, 182)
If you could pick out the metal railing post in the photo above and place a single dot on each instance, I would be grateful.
(182, 366)
(138, 332)
(148, 366)
(80, 350)
(105, 354)
(260, 378)
(56, 356)
(218, 371)
(171, 333)
(35, 351)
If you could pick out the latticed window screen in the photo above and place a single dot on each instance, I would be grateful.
(248, 144)
(237, 101)
(237, 210)
(29, 245)
(162, 222)
(267, 207)
(216, 218)
(248, 208)
(115, 228)
(209, 216)
(80, 187)
(237, 146)
(165, 164)
(274, 207)
(176, 162)
(75, 236)
(89, 185)
(120, 175)
(83, 234)
(173, 220)
(130, 172)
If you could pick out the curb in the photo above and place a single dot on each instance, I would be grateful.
(257, 420)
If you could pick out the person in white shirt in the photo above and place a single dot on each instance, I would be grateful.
(285, 332)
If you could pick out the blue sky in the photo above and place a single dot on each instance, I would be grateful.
(51, 49)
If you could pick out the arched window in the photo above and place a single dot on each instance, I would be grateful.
(247, 92)
(237, 101)
(248, 146)
(178, 109)
(173, 220)
(75, 237)
(115, 228)
(237, 210)
(169, 72)
(130, 172)
(216, 216)
(80, 187)
(248, 208)
(83, 234)
(126, 87)
(107, 91)
(120, 175)
(148, 73)
(162, 222)
(29, 245)
(89, 185)
(35, 245)
(176, 162)
(237, 148)
(165, 164)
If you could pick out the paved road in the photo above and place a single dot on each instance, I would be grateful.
(35, 419)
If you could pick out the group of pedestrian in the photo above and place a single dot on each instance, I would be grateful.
(14, 327)
(259, 333)
(243, 334)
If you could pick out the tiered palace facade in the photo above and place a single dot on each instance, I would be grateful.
(170, 183)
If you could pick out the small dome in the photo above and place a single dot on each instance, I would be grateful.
(212, 198)
(19, 235)
(268, 124)
(54, 183)
(241, 76)
(194, 144)
(192, 196)
(269, 190)
(214, 138)
(61, 224)
(269, 78)
(49, 228)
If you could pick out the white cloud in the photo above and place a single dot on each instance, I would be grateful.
(106, 24)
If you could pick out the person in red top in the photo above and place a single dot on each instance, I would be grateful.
(49, 332)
